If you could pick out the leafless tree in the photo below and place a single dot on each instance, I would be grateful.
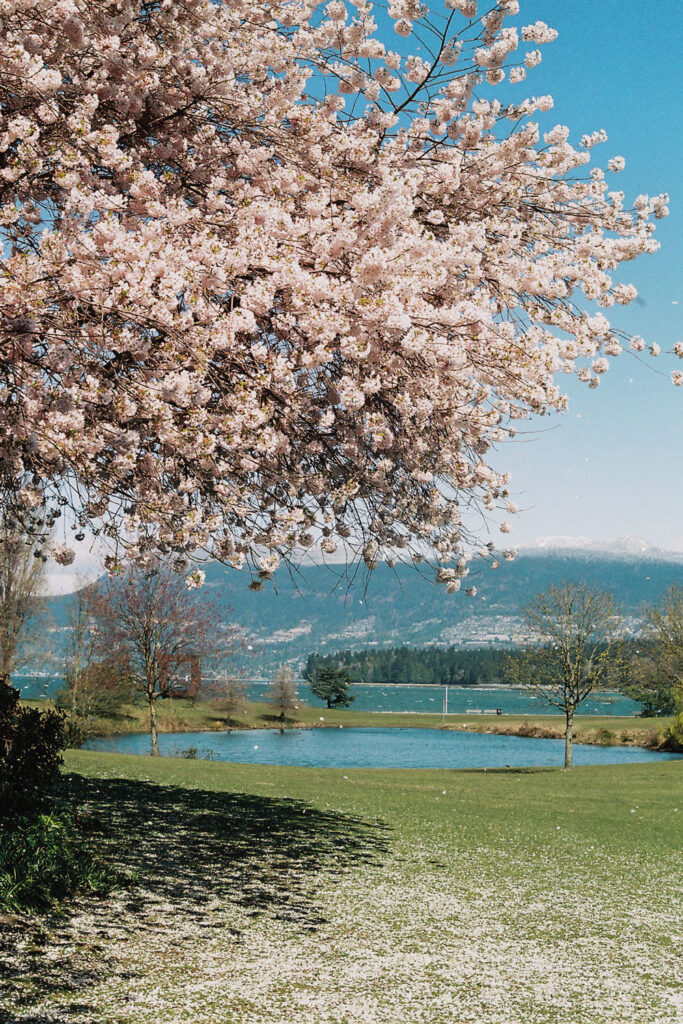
(574, 628)
(81, 650)
(152, 620)
(229, 694)
(97, 682)
(282, 693)
(664, 629)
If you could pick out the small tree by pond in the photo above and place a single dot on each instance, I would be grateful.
(644, 682)
(228, 694)
(574, 629)
(282, 693)
(155, 624)
(655, 671)
(332, 685)
(664, 629)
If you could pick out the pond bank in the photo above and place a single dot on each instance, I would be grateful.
(183, 716)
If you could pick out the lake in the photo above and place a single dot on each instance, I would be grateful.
(462, 699)
(413, 698)
(374, 748)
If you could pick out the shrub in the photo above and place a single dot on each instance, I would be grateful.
(605, 737)
(43, 860)
(31, 742)
(673, 737)
(332, 685)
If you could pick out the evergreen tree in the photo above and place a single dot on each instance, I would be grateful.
(332, 685)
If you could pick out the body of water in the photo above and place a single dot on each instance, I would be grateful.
(374, 748)
(412, 698)
(462, 699)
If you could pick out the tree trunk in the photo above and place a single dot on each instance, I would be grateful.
(153, 724)
(568, 761)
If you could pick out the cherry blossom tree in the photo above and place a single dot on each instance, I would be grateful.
(267, 281)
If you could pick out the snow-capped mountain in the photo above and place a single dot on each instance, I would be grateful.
(632, 547)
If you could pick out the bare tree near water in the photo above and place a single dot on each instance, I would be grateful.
(282, 693)
(574, 629)
(157, 625)
(228, 694)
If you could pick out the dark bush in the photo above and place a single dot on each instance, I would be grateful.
(31, 742)
(606, 737)
(43, 860)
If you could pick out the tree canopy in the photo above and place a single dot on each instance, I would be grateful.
(656, 668)
(266, 280)
(416, 665)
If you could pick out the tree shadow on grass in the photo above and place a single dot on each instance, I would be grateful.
(274, 719)
(188, 857)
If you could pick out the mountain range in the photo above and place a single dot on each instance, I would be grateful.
(322, 608)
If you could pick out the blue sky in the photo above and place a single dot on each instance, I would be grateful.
(613, 465)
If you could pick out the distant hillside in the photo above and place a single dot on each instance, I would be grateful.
(318, 611)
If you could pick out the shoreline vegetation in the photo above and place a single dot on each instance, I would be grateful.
(181, 715)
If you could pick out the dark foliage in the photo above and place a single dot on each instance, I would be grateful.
(332, 685)
(415, 665)
(31, 743)
(476, 666)
(657, 696)
(44, 860)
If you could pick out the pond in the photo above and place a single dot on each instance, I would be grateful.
(373, 748)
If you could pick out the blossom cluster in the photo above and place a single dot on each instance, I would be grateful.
(266, 281)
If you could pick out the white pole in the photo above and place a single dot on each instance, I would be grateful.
(446, 700)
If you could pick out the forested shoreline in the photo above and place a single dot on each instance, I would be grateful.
(477, 666)
(417, 665)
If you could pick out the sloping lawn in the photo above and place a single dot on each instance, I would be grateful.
(258, 895)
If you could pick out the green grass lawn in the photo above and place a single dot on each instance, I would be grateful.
(259, 895)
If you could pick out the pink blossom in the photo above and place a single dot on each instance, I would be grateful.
(236, 316)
